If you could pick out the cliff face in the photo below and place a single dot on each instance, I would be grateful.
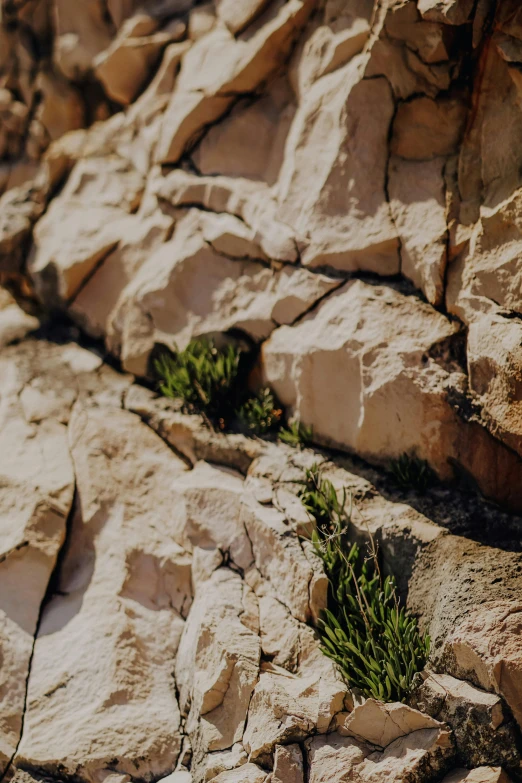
(337, 184)
(338, 181)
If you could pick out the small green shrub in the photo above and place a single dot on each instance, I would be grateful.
(260, 414)
(296, 434)
(202, 375)
(374, 641)
(410, 472)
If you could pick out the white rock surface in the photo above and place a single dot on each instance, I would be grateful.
(166, 303)
(101, 686)
(217, 661)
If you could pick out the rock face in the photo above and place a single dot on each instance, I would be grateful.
(159, 611)
(242, 161)
(337, 186)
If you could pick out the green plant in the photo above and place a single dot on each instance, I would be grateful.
(260, 414)
(410, 472)
(296, 434)
(202, 375)
(374, 641)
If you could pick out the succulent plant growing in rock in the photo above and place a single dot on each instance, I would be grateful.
(410, 472)
(296, 434)
(260, 414)
(202, 375)
(374, 640)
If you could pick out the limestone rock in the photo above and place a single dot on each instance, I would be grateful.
(62, 108)
(20, 208)
(378, 392)
(101, 691)
(448, 11)
(336, 759)
(340, 213)
(36, 493)
(212, 499)
(250, 142)
(14, 323)
(478, 775)
(288, 765)
(330, 42)
(485, 647)
(81, 33)
(381, 724)
(483, 732)
(232, 66)
(424, 128)
(225, 761)
(97, 300)
(474, 639)
(251, 201)
(163, 304)
(83, 225)
(237, 16)
(217, 662)
(287, 708)
(188, 435)
(342, 334)
(280, 559)
(202, 19)
(418, 205)
(249, 773)
(127, 64)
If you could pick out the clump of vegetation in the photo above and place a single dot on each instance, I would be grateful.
(296, 435)
(260, 414)
(203, 376)
(374, 641)
(410, 472)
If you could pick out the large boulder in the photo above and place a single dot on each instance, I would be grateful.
(382, 398)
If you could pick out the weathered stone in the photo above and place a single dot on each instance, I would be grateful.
(81, 33)
(288, 708)
(418, 205)
(236, 15)
(212, 497)
(448, 11)
(288, 765)
(83, 225)
(424, 128)
(251, 201)
(217, 662)
(340, 212)
(61, 108)
(478, 775)
(249, 773)
(334, 362)
(232, 66)
(202, 19)
(14, 323)
(472, 638)
(280, 559)
(336, 759)
(162, 303)
(101, 691)
(225, 761)
(128, 63)
(250, 142)
(330, 42)
(20, 208)
(485, 647)
(380, 724)
(36, 493)
(483, 733)
(189, 435)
